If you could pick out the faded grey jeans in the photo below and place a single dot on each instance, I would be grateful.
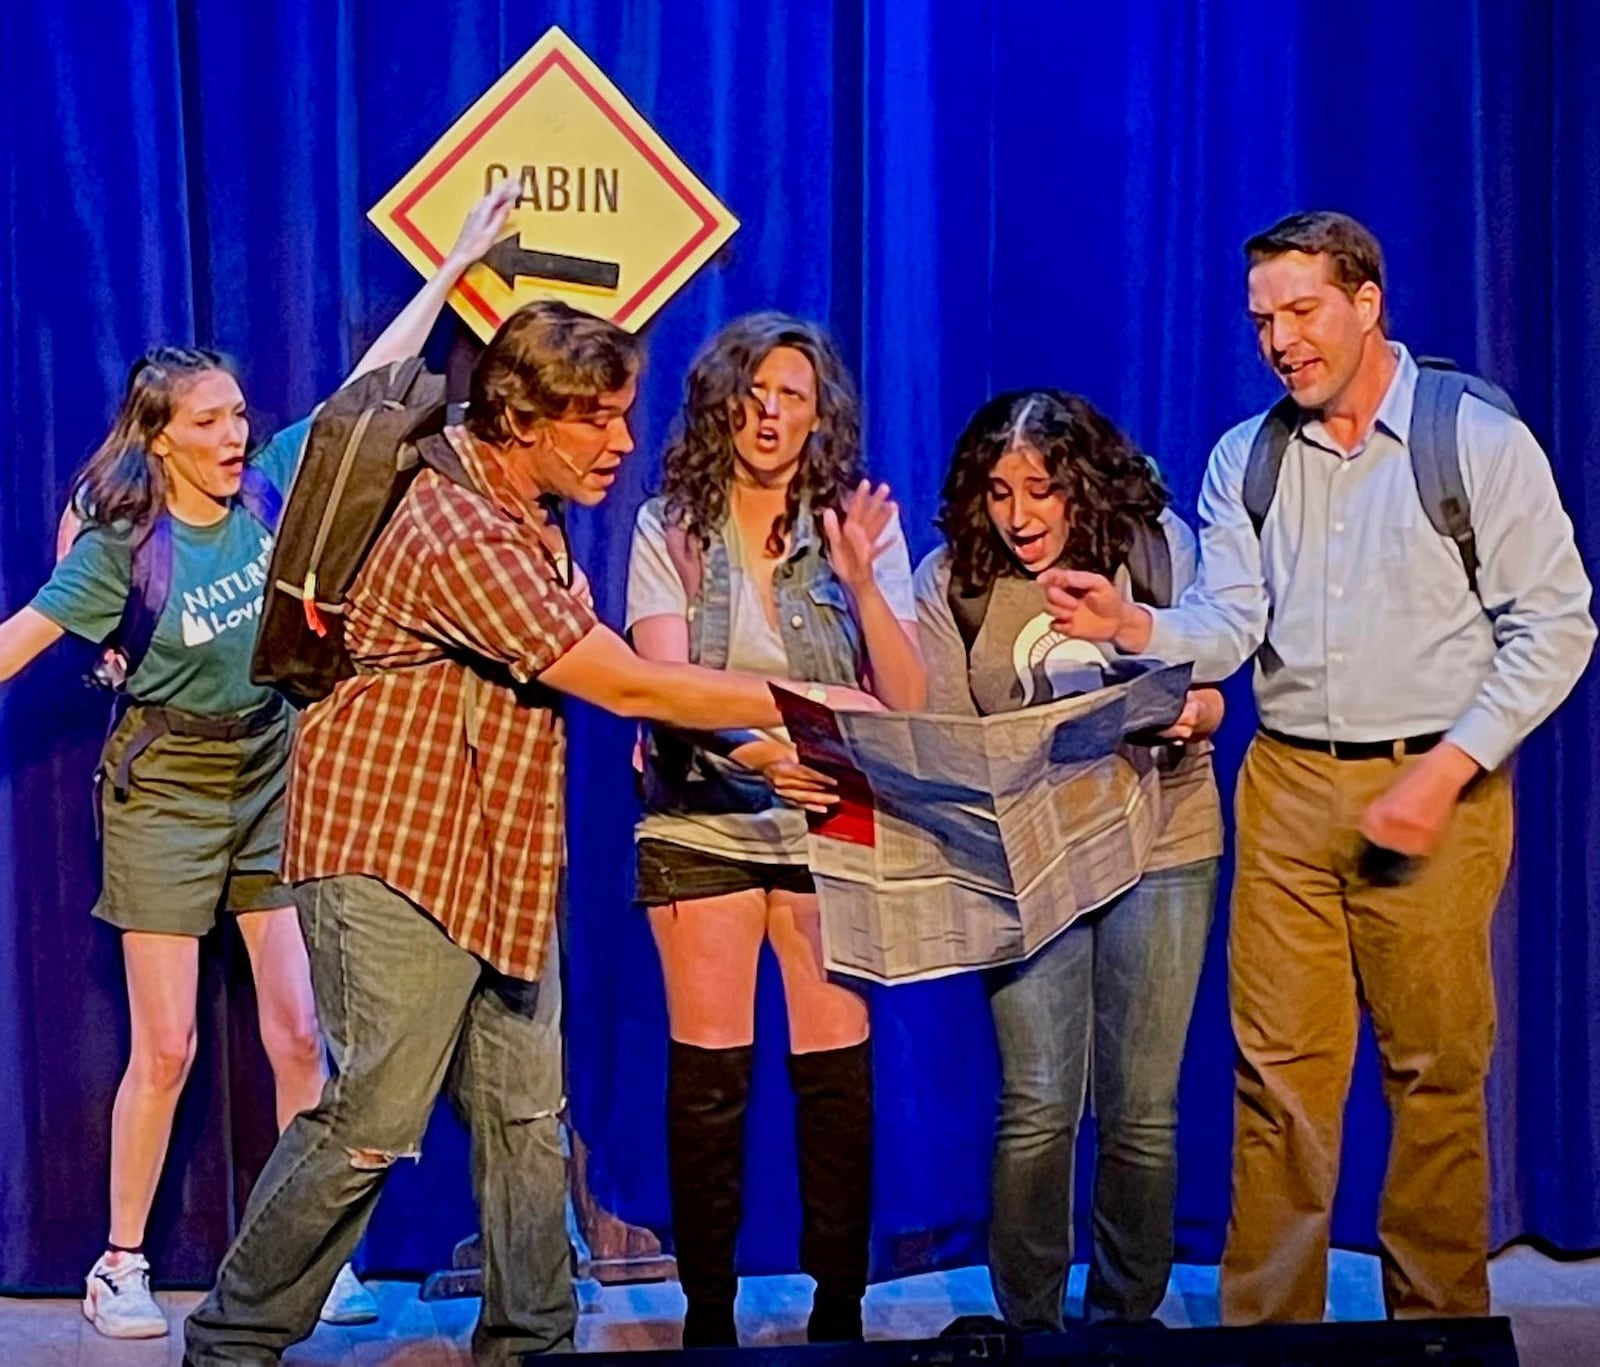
(406, 1012)
(1109, 999)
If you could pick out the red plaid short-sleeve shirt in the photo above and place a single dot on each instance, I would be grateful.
(439, 768)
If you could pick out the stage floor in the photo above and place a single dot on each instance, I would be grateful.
(1554, 1308)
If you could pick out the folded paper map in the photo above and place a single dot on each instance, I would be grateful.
(966, 842)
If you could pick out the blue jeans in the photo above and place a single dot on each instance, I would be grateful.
(1114, 992)
(407, 1012)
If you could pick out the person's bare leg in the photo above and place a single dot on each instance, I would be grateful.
(286, 1009)
(163, 976)
(710, 948)
(823, 1013)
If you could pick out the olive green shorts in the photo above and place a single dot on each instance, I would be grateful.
(201, 829)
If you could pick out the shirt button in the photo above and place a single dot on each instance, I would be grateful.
(797, 621)
(1338, 592)
(1338, 526)
(1337, 721)
(1336, 656)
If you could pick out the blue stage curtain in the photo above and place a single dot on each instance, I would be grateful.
(973, 196)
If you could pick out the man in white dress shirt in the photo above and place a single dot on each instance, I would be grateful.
(1396, 671)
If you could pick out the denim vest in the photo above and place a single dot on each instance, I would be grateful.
(683, 771)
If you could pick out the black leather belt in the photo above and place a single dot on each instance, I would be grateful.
(1360, 749)
(156, 722)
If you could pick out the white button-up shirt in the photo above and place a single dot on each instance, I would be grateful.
(1359, 613)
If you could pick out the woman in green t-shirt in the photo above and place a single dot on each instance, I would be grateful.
(192, 774)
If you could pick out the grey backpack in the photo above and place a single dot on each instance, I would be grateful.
(1435, 453)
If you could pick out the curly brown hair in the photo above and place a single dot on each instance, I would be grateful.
(1108, 484)
(698, 461)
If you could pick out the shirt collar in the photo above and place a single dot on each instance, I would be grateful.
(1394, 413)
(490, 476)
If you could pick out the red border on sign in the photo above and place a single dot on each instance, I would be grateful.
(708, 222)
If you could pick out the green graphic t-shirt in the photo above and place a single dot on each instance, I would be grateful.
(199, 657)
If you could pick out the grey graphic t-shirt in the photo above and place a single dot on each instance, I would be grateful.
(199, 657)
(1019, 660)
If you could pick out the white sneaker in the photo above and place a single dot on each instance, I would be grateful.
(117, 1299)
(349, 1302)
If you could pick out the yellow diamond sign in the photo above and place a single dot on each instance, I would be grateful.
(607, 217)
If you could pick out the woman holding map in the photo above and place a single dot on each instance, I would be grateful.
(1040, 478)
(767, 552)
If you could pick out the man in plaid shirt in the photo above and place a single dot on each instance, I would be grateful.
(426, 836)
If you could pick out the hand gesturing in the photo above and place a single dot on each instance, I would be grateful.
(857, 540)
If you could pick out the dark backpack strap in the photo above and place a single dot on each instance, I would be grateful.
(1486, 390)
(149, 587)
(688, 559)
(151, 729)
(968, 607)
(1150, 565)
(150, 571)
(1436, 452)
(260, 497)
(1266, 459)
(436, 450)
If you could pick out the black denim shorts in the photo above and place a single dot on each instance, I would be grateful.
(671, 873)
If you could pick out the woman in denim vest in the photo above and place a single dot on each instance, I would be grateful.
(1040, 478)
(767, 552)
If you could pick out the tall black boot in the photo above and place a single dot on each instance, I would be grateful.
(707, 1092)
(833, 1123)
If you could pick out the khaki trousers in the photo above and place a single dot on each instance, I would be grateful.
(1317, 934)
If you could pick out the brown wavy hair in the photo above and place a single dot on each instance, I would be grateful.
(1109, 485)
(698, 461)
(124, 482)
(548, 360)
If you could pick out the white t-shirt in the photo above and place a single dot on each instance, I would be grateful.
(755, 646)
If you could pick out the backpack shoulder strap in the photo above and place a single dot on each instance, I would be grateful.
(686, 551)
(1436, 452)
(1150, 565)
(969, 606)
(440, 450)
(149, 588)
(1266, 459)
(688, 558)
(150, 569)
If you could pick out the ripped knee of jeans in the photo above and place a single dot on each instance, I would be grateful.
(533, 1114)
(379, 1160)
(534, 1118)
(538, 1111)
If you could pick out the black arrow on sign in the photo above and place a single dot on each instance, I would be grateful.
(508, 259)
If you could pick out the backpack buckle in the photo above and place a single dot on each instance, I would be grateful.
(308, 601)
(110, 671)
